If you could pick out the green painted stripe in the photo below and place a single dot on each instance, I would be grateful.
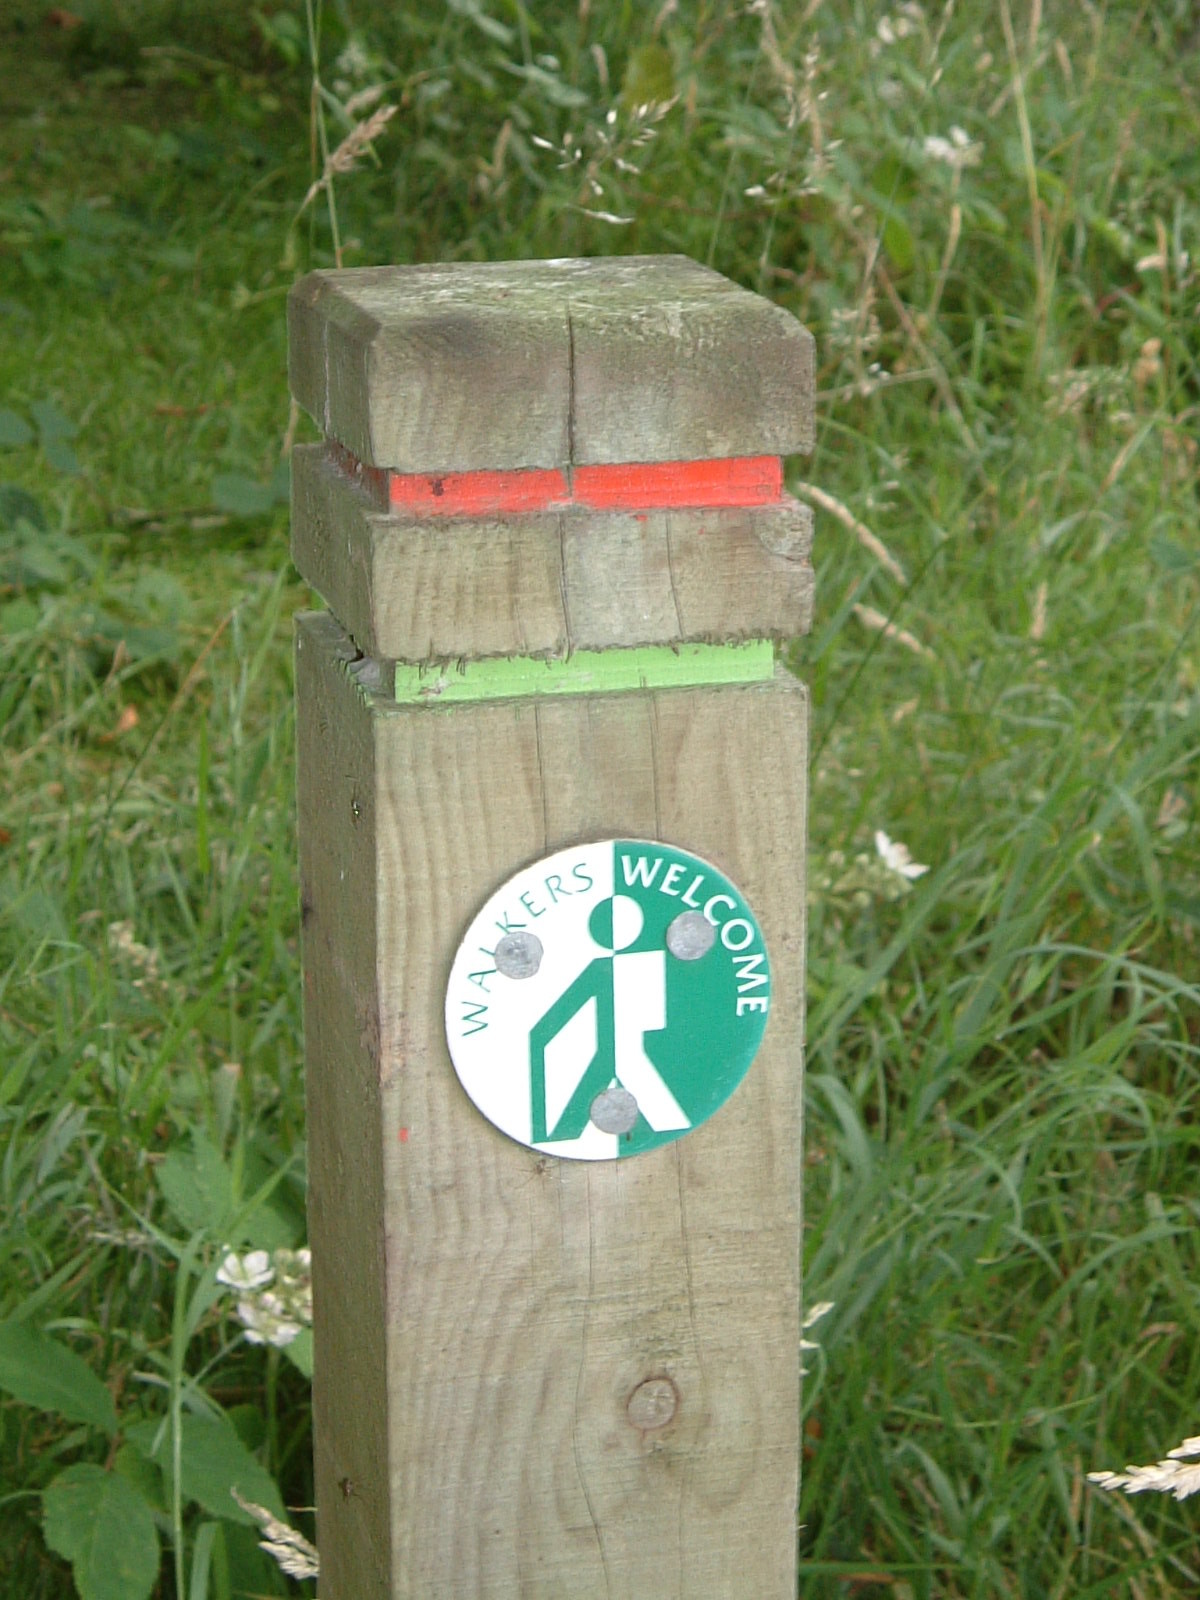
(587, 672)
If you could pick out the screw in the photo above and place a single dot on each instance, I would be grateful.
(518, 955)
(690, 936)
(614, 1110)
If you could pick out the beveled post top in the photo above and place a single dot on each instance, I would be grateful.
(463, 367)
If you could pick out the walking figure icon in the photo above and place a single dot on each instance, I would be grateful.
(593, 1037)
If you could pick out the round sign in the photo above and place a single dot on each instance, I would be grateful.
(607, 999)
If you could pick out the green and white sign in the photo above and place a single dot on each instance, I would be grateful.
(608, 999)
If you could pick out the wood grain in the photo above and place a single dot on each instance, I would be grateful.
(346, 1198)
(539, 1316)
(422, 590)
(486, 366)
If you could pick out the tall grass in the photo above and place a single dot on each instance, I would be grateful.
(988, 217)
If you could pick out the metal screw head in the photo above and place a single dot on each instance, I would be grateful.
(614, 1110)
(518, 955)
(690, 935)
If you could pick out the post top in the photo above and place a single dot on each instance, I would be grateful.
(461, 367)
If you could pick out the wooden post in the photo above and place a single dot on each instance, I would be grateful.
(557, 1308)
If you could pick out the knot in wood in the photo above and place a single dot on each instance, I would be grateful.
(652, 1404)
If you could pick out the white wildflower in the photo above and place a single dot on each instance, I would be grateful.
(251, 1271)
(1173, 1476)
(263, 1323)
(889, 29)
(355, 59)
(895, 855)
(958, 151)
(251, 1317)
(274, 1303)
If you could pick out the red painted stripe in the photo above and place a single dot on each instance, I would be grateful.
(626, 486)
(736, 481)
(476, 494)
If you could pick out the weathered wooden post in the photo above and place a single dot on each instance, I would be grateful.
(552, 792)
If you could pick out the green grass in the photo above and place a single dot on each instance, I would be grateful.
(1004, 1058)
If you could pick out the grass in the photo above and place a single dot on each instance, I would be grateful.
(1003, 1054)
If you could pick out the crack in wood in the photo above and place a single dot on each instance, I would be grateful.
(570, 400)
